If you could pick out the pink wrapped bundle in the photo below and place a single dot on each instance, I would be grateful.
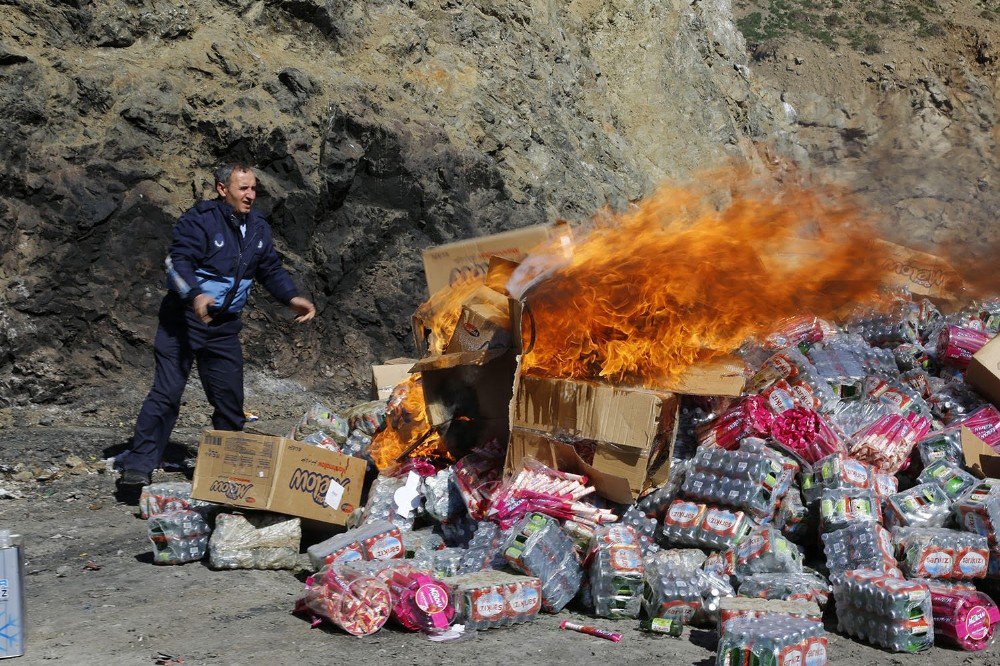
(541, 489)
(964, 618)
(477, 476)
(887, 443)
(805, 433)
(984, 424)
(957, 344)
(749, 417)
(419, 601)
(357, 603)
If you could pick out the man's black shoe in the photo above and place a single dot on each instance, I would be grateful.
(133, 477)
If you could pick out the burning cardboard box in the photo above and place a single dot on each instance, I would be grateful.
(469, 260)
(467, 388)
(620, 438)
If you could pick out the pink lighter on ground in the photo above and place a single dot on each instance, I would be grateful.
(612, 636)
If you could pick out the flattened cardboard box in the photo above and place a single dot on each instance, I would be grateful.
(469, 259)
(277, 474)
(984, 371)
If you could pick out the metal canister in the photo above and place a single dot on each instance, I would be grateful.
(11, 595)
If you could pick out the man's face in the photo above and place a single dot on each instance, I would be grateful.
(240, 191)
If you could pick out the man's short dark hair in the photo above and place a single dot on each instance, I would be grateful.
(225, 172)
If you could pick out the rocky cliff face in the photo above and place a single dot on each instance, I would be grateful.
(379, 128)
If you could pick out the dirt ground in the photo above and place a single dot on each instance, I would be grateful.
(94, 596)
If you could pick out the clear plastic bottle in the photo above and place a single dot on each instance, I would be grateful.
(178, 536)
(841, 507)
(786, 587)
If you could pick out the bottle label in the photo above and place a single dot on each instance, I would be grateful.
(973, 564)
(816, 652)
(527, 600)
(385, 546)
(680, 611)
(486, 604)
(721, 522)
(791, 655)
(937, 563)
(684, 514)
(855, 473)
(626, 559)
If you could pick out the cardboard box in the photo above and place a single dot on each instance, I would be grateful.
(277, 474)
(632, 432)
(980, 459)
(387, 376)
(469, 259)
(983, 373)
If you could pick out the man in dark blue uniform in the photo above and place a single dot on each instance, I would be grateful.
(220, 247)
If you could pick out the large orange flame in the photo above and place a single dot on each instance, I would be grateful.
(407, 430)
(439, 314)
(691, 274)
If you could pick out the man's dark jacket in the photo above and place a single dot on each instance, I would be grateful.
(210, 256)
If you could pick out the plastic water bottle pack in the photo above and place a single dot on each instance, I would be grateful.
(538, 547)
(860, 546)
(645, 529)
(491, 599)
(890, 612)
(765, 550)
(678, 562)
(752, 478)
(617, 572)
(772, 639)
(839, 508)
(934, 552)
(684, 598)
(380, 540)
(694, 524)
(979, 512)
(835, 472)
(787, 587)
(953, 480)
(178, 536)
(924, 505)
(942, 445)
(170, 496)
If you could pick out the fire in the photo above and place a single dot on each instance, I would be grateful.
(407, 432)
(685, 278)
(441, 312)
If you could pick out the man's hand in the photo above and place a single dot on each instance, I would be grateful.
(201, 304)
(304, 308)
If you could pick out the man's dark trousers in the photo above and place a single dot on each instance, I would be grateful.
(182, 339)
